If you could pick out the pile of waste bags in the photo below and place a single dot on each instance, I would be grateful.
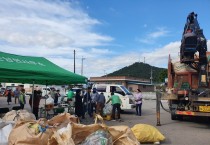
(64, 129)
(43, 131)
(121, 135)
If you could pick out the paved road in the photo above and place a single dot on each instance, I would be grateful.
(187, 132)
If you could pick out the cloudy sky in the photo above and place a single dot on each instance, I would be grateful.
(108, 34)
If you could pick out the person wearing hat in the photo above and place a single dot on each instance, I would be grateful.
(138, 100)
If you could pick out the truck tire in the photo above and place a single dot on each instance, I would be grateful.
(173, 116)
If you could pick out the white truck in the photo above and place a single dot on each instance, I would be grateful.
(125, 95)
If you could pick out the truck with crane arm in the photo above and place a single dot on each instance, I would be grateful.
(188, 78)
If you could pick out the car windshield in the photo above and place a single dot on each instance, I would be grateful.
(126, 91)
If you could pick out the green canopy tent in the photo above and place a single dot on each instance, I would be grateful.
(38, 70)
(35, 70)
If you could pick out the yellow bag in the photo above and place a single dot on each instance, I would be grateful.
(107, 117)
(147, 133)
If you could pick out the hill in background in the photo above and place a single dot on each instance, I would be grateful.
(141, 70)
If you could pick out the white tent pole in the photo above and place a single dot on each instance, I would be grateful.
(32, 97)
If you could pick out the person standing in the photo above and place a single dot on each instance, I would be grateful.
(116, 103)
(93, 96)
(22, 99)
(57, 95)
(78, 104)
(36, 101)
(138, 100)
(70, 95)
(100, 101)
(9, 96)
(16, 94)
(87, 102)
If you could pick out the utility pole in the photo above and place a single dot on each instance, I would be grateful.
(151, 75)
(74, 61)
(144, 59)
(82, 65)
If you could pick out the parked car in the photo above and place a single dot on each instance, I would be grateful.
(2, 90)
(125, 95)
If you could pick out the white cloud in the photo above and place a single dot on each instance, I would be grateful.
(151, 37)
(100, 51)
(47, 23)
(51, 29)
(159, 33)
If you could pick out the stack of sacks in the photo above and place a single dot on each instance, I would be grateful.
(43, 132)
(120, 135)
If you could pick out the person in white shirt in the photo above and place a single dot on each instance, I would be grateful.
(138, 100)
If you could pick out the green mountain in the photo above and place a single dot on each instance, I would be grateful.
(142, 70)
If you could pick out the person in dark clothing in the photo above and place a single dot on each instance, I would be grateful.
(36, 101)
(57, 95)
(78, 104)
(9, 96)
(87, 102)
